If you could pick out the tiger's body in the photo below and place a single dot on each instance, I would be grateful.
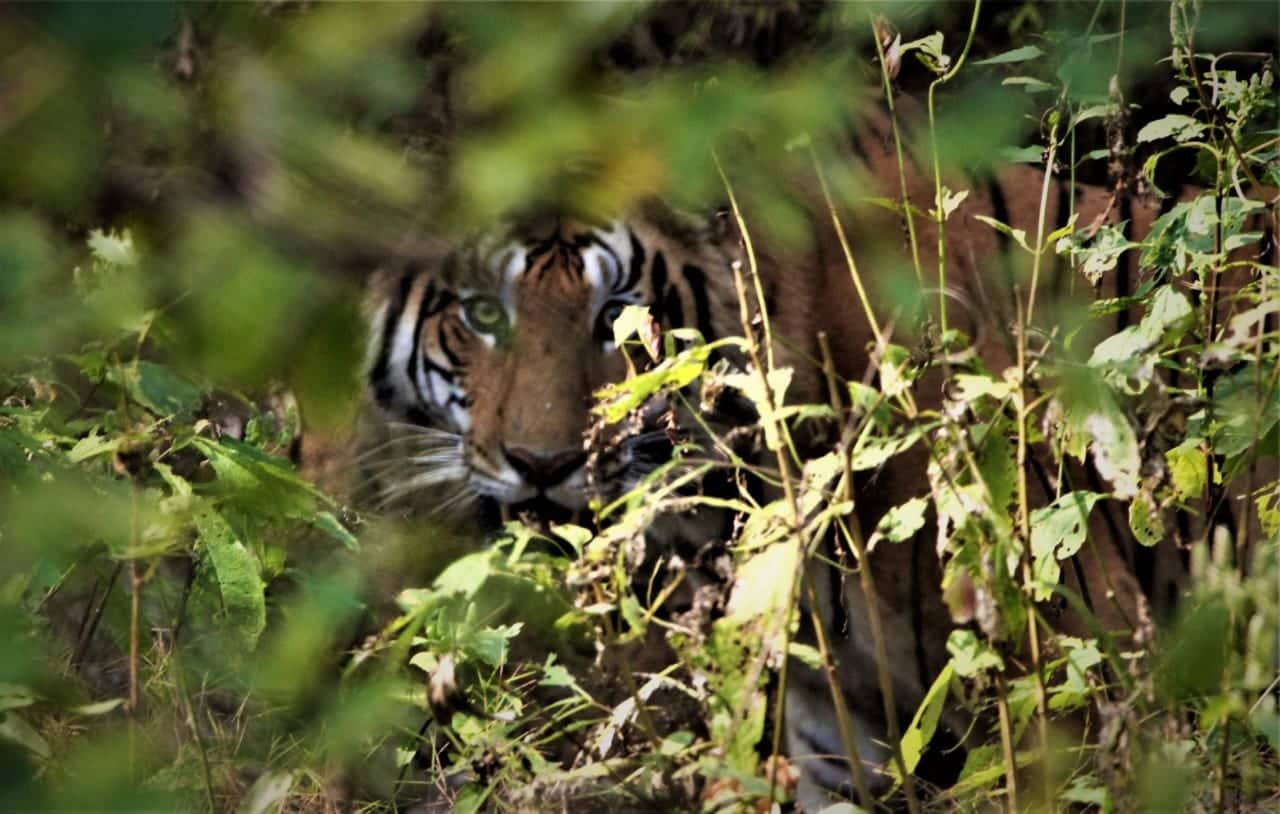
(484, 362)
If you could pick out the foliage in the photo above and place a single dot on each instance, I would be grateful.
(194, 624)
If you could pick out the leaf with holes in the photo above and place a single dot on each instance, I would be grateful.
(1057, 532)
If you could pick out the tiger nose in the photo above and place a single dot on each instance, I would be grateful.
(541, 470)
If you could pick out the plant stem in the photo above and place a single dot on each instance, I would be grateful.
(937, 168)
(853, 534)
(1006, 743)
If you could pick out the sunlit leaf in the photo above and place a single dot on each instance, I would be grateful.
(924, 723)
(1178, 126)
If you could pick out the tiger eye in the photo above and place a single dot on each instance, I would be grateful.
(485, 315)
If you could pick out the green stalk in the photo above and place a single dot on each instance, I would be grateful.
(937, 167)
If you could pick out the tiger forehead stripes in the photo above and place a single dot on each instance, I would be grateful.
(486, 361)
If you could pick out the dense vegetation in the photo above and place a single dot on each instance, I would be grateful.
(189, 198)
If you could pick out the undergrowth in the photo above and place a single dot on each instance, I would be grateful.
(191, 625)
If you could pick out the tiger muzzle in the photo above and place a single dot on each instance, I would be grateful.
(541, 470)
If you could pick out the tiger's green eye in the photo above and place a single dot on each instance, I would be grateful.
(485, 315)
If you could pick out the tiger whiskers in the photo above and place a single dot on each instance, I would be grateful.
(420, 461)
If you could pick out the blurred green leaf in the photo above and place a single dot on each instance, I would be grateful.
(1023, 54)
(236, 574)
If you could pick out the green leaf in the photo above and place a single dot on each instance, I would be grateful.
(969, 387)
(1019, 235)
(267, 793)
(971, 655)
(466, 574)
(490, 644)
(15, 729)
(1100, 253)
(903, 521)
(15, 696)
(1177, 126)
(265, 483)
(1089, 791)
(950, 201)
(160, 390)
(873, 450)
(1023, 54)
(1062, 231)
(895, 364)
(1167, 317)
(91, 446)
(633, 321)
(113, 249)
(764, 582)
(925, 722)
(806, 654)
(617, 400)
(1144, 519)
(326, 522)
(98, 708)
(1247, 408)
(1057, 532)
(1029, 83)
(1092, 112)
(1034, 154)
(235, 571)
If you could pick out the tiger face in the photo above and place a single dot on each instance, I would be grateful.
(486, 362)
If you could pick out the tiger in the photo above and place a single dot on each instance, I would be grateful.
(483, 362)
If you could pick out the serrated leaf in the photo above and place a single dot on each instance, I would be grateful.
(112, 248)
(235, 572)
(91, 446)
